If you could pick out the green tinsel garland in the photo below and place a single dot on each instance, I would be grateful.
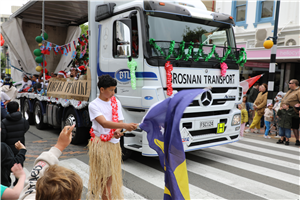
(181, 53)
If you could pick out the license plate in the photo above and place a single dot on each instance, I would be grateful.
(207, 124)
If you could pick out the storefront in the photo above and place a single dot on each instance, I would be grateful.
(287, 65)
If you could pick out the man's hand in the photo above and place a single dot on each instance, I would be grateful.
(118, 134)
(131, 126)
(19, 146)
(18, 171)
(65, 138)
(297, 105)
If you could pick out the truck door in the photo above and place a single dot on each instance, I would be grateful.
(122, 46)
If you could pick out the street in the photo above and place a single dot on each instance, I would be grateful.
(252, 168)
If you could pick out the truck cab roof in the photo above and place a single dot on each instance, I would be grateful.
(57, 13)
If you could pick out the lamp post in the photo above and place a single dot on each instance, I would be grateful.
(269, 44)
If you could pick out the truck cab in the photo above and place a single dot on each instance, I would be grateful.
(154, 32)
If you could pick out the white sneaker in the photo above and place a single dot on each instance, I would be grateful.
(240, 138)
(266, 136)
(256, 131)
(247, 131)
(277, 136)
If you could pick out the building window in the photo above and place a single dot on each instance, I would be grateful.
(239, 12)
(6, 19)
(265, 11)
(1, 19)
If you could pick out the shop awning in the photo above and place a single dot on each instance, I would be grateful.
(57, 13)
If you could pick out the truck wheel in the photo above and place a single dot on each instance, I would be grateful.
(78, 133)
(38, 116)
(26, 112)
(126, 153)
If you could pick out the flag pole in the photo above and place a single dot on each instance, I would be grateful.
(272, 66)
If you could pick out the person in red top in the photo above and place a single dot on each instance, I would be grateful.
(135, 42)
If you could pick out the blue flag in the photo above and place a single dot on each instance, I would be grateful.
(162, 126)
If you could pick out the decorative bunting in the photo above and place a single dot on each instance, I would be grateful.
(69, 45)
(74, 54)
(80, 41)
(65, 51)
(86, 40)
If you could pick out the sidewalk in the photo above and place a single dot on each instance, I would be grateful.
(272, 135)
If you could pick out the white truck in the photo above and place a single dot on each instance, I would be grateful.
(186, 32)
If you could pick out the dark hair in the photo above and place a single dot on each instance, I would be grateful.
(295, 81)
(12, 107)
(256, 84)
(36, 76)
(8, 81)
(266, 86)
(106, 81)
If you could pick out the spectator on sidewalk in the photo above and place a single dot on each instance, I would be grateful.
(259, 107)
(9, 89)
(292, 97)
(13, 127)
(251, 98)
(286, 113)
(5, 99)
(8, 159)
(244, 120)
(276, 107)
(14, 193)
(268, 119)
(47, 180)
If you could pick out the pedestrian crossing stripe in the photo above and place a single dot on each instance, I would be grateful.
(201, 170)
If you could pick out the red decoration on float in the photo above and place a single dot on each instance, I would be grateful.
(224, 68)
(169, 69)
(1, 40)
(115, 118)
(43, 63)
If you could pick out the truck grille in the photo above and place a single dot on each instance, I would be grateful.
(205, 114)
(215, 102)
(204, 132)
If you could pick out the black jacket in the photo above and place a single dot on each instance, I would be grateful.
(253, 94)
(286, 117)
(13, 129)
(7, 162)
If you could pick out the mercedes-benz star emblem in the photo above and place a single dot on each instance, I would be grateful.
(206, 98)
(206, 71)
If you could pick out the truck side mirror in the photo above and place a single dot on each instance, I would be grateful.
(123, 37)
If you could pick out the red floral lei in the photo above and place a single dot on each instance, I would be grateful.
(115, 118)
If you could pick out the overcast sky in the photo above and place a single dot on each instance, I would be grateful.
(5, 5)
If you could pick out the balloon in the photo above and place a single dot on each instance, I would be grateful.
(45, 64)
(45, 36)
(37, 52)
(38, 59)
(39, 39)
(268, 44)
(40, 44)
(2, 43)
(38, 68)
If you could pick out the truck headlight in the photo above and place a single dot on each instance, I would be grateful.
(236, 120)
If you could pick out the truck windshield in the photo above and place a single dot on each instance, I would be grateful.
(164, 28)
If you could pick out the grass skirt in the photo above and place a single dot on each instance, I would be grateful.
(105, 161)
